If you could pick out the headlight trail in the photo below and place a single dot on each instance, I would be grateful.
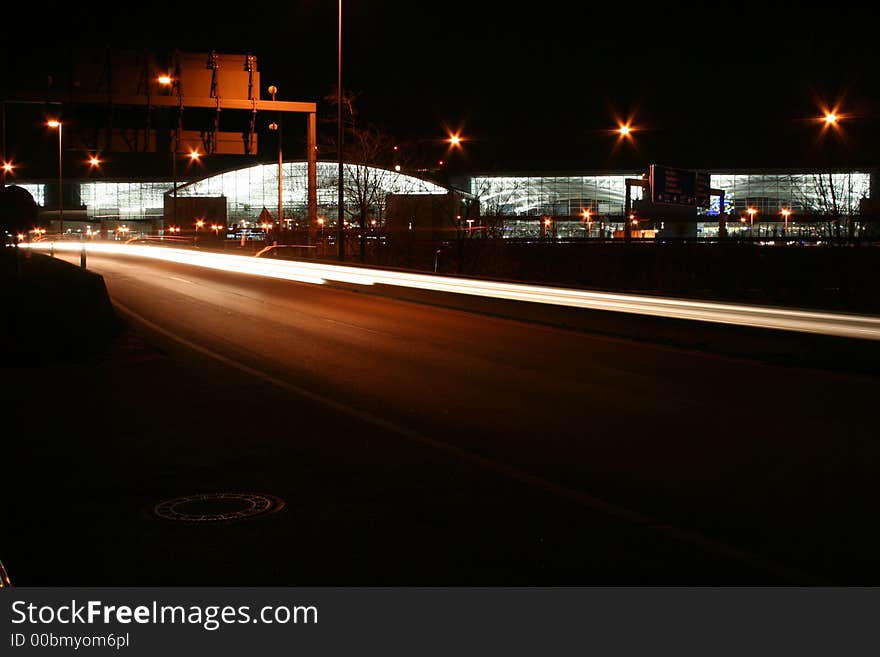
(827, 323)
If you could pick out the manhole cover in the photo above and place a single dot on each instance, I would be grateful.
(216, 507)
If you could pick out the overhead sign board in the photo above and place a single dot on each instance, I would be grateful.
(671, 186)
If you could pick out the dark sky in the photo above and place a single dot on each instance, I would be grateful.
(534, 86)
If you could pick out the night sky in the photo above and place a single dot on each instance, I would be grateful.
(533, 86)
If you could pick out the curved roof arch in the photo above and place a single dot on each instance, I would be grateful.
(249, 189)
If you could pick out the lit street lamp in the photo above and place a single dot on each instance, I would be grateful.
(6, 169)
(194, 155)
(831, 119)
(588, 223)
(54, 123)
(277, 126)
(340, 228)
(752, 212)
(785, 214)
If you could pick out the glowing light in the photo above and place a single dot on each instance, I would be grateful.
(842, 324)
(7, 167)
(194, 155)
(94, 161)
(624, 130)
(454, 140)
(52, 123)
(164, 80)
(830, 118)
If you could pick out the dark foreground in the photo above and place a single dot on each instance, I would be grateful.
(431, 447)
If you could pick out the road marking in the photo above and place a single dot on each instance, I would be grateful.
(687, 536)
(182, 280)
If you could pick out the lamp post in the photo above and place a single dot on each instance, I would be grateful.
(785, 213)
(752, 212)
(54, 123)
(340, 228)
(831, 119)
(277, 126)
(588, 224)
(321, 224)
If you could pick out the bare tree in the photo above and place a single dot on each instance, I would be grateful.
(370, 158)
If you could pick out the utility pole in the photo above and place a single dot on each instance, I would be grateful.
(340, 228)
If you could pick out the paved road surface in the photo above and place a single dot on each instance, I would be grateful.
(415, 444)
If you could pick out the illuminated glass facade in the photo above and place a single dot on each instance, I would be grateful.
(810, 193)
(517, 201)
(126, 201)
(249, 190)
(520, 200)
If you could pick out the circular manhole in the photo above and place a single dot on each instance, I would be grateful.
(217, 507)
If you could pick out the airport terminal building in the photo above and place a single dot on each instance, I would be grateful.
(149, 111)
(515, 205)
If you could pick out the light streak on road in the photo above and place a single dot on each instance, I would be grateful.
(828, 323)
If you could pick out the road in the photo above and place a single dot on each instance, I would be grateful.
(417, 444)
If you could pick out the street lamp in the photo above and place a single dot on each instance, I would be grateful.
(588, 223)
(277, 126)
(831, 121)
(340, 228)
(752, 212)
(785, 214)
(167, 81)
(54, 123)
(7, 168)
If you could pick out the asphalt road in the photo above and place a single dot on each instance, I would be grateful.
(416, 444)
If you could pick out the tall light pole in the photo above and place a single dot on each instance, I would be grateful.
(785, 213)
(54, 123)
(168, 81)
(277, 126)
(752, 212)
(831, 119)
(340, 227)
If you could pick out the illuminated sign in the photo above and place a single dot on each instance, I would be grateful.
(672, 186)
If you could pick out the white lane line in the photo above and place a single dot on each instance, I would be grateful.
(687, 536)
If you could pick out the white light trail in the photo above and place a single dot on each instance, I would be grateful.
(828, 323)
